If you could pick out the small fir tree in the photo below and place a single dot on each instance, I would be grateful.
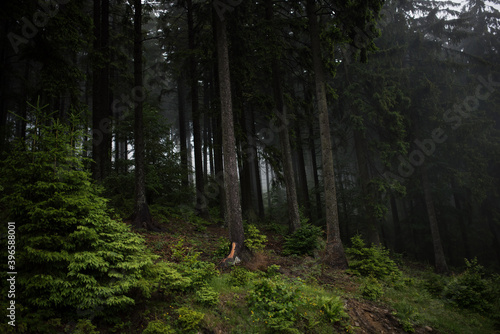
(71, 255)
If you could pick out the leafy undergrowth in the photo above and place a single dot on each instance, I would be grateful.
(297, 294)
(293, 294)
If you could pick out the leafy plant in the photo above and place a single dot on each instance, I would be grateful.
(275, 303)
(371, 289)
(371, 261)
(470, 289)
(303, 241)
(85, 326)
(222, 250)
(254, 240)
(189, 319)
(158, 327)
(333, 308)
(170, 279)
(73, 255)
(239, 276)
(406, 314)
(435, 284)
(207, 296)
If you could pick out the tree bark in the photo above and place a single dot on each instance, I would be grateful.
(201, 205)
(216, 122)
(461, 219)
(182, 129)
(141, 217)
(368, 198)
(301, 171)
(398, 246)
(312, 149)
(334, 253)
(439, 258)
(101, 107)
(233, 215)
(256, 167)
(286, 151)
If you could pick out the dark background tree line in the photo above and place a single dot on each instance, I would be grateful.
(285, 110)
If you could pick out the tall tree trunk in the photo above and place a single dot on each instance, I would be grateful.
(439, 259)
(201, 205)
(368, 199)
(207, 135)
(256, 167)
(231, 187)
(182, 129)
(461, 220)
(312, 149)
(101, 107)
(301, 171)
(398, 242)
(141, 217)
(268, 187)
(216, 122)
(346, 220)
(248, 189)
(286, 151)
(334, 253)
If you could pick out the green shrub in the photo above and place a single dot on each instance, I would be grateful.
(435, 284)
(170, 278)
(73, 256)
(189, 319)
(223, 249)
(371, 289)
(272, 271)
(190, 266)
(333, 308)
(304, 241)
(199, 272)
(85, 326)
(158, 327)
(207, 296)
(470, 289)
(239, 276)
(406, 314)
(371, 261)
(254, 240)
(275, 303)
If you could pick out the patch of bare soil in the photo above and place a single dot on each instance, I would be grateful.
(370, 318)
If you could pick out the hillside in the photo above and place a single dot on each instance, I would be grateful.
(404, 305)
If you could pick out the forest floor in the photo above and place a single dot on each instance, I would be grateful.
(365, 316)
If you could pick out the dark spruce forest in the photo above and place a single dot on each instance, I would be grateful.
(235, 166)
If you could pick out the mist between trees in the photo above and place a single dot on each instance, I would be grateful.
(373, 117)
